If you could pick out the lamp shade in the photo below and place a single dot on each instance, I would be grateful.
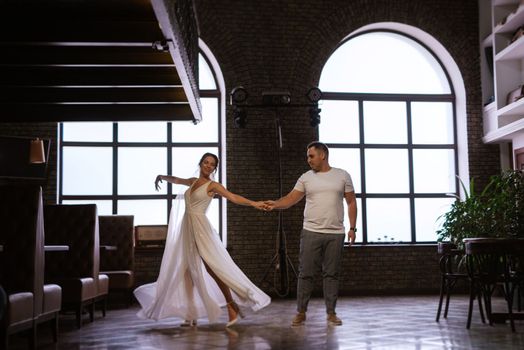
(36, 152)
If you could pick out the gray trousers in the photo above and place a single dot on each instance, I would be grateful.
(319, 252)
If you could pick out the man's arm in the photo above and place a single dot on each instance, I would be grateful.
(285, 202)
(351, 201)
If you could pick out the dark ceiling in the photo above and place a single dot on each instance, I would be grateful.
(86, 60)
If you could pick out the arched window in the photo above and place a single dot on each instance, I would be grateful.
(389, 118)
(115, 164)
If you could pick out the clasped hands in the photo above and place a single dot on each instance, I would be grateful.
(265, 205)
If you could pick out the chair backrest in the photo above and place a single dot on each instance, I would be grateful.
(22, 238)
(488, 258)
(117, 230)
(77, 227)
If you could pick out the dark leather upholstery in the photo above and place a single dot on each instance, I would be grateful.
(76, 270)
(117, 231)
(22, 263)
(19, 219)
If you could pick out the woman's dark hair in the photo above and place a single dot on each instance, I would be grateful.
(207, 154)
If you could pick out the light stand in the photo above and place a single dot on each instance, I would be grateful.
(281, 260)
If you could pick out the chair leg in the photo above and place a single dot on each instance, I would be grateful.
(79, 316)
(470, 309)
(54, 327)
(92, 310)
(479, 298)
(519, 296)
(508, 291)
(442, 286)
(131, 298)
(4, 338)
(32, 338)
(486, 292)
(448, 293)
(104, 306)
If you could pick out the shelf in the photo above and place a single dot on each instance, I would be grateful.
(512, 52)
(504, 124)
(513, 22)
(490, 107)
(488, 41)
(504, 2)
(513, 109)
(505, 133)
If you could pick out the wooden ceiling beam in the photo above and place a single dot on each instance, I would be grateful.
(63, 32)
(88, 76)
(92, 95)
(94, 112)
(82, 55)
(78, 9)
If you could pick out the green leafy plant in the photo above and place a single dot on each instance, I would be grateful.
(466, 218)
(497, 211)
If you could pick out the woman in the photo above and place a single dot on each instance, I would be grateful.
(197, 275)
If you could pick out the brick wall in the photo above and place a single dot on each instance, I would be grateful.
(43, 131)
(283, 45)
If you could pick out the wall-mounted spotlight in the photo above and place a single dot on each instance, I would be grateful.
(275, 99)
(238, 95)
(314, 116)
(314, 94)
(239, 117)
(160, 45)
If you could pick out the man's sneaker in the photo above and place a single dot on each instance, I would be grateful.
(299, 319)
(334, 320)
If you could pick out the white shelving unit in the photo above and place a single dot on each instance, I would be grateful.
(503, 119)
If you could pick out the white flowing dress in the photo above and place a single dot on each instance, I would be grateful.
(184, 288)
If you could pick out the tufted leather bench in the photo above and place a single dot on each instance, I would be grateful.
(29, 301)
(117, 231)
(76, 270)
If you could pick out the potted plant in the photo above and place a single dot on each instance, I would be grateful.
(497, 211)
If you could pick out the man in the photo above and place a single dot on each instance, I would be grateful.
(322, 237)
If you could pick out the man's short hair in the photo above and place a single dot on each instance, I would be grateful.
(319, 146)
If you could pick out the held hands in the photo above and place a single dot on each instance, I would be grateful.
(157, 181)
(259, 205)
(269, 205)
(264, 205)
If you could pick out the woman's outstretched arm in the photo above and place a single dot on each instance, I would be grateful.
(235, 198)
(173, 180)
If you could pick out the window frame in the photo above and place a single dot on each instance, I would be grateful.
(360, 98)
(169, 145)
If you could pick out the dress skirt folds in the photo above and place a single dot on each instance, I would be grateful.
(184, 288)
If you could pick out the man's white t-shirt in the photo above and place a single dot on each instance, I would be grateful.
(324, 191)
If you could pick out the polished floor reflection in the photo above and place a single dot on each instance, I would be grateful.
(405, 322)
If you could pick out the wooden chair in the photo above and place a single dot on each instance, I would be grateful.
(28, 301)
(76, 270)
(117, 253)
(489, 267)
(450, 258)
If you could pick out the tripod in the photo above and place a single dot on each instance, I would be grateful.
(281, 260)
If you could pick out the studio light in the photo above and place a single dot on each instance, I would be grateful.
(314, 116)
(314, 94)
(238, 96)
(160, 45)
(239, 117)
